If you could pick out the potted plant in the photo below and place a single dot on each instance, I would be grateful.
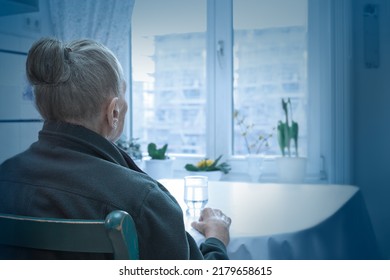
(291, 167)
(210, 168)
(132, 148)
(255, 143)
(158, 165)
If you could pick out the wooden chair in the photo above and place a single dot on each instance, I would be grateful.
(116, 234)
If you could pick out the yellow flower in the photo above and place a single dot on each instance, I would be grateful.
(208, 165)
(204, 163)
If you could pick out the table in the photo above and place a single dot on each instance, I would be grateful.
(289, 221)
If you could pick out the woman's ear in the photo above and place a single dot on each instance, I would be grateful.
(113, 113)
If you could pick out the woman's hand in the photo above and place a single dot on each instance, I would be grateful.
(213, 223)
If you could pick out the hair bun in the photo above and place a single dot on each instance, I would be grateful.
(48, 62)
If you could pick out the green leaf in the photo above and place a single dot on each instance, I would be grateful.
(284, 106)
(294, 130)
(224, 167)
(152, 148)
(211, 167)
(281, 137)
(287, 133)
(155, 153)
(191, 167)
(294, 135)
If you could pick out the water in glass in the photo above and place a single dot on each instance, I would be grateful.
(196, 192)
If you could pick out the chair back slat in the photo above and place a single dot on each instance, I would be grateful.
(72, 235)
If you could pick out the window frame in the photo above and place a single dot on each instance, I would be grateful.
(328, 31)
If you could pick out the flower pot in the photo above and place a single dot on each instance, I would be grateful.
(291, 169)
(211, 175)
(159, 168)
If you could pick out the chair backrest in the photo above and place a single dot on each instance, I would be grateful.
(116, 234)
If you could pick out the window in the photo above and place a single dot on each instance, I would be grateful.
(181, 93)
(169, 80)
(270, 63)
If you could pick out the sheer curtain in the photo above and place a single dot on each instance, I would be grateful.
(106, 21)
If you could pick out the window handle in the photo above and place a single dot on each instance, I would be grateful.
(323, 173)
(220, 51)
(220, 48)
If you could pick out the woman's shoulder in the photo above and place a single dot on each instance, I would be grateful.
(138, 190)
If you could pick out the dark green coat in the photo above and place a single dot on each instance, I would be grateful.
(72, 172)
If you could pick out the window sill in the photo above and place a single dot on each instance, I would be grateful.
(239, 170)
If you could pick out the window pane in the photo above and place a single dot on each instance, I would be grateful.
(169, 66)
(270, 63)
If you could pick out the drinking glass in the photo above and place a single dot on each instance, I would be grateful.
(196, 193)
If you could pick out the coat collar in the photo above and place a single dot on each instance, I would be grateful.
(85, 140)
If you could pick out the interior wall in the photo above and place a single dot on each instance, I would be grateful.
(371, 137)
(18, 31)
(19, 120)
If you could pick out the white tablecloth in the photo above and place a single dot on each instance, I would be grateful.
(282, 221)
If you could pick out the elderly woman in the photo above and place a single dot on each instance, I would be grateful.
(75, 171)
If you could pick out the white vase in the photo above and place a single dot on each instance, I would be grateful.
(159, 168)
(291, 169)
(211, 175)
(254, 166)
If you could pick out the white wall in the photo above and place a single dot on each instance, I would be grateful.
(371, 123)
(17, 33)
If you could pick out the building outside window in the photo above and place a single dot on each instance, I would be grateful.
(169, 74)
(270, 64)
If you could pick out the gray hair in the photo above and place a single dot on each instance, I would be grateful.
(72, 81)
